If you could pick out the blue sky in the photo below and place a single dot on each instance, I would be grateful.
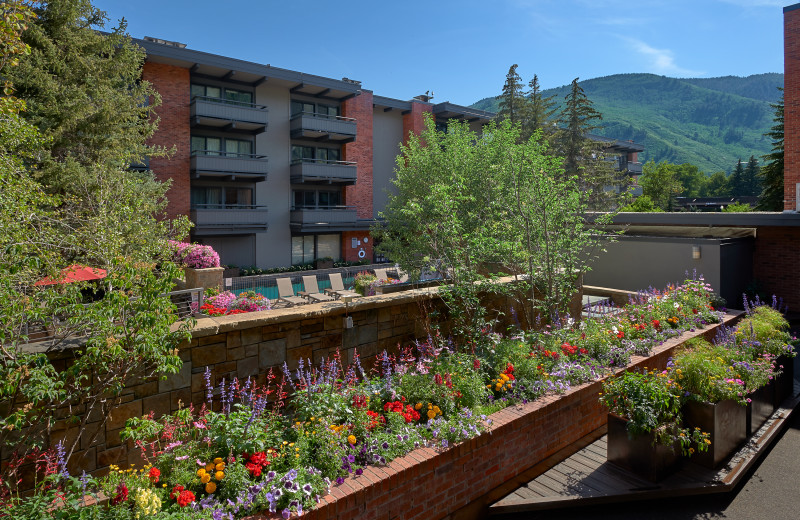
(462, 49)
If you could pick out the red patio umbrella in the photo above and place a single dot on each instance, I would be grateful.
(74, 273)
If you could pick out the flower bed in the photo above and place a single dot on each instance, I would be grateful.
(194, 256)
(345, 424)
(226, 303)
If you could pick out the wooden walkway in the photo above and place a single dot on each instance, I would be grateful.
(586, 478)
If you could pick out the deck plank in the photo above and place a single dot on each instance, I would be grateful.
(585, 477)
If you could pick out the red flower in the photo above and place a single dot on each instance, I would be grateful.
(621, 334)
(154, 474)
(121, 496)
(476, 364)
(175, 492)
(185, 498)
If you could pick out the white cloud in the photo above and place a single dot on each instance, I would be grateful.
(661, 61)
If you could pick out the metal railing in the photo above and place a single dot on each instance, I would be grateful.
(222, 153)
(322, 116)
(231, 102)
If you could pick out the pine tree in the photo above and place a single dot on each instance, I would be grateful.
(736, 181)
(512, 100)
(585, 157)
(771, 174)
(750, 181)
(540, 111)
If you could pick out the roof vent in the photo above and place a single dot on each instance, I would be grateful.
(165, 42)
(352, 81)
(426, 97)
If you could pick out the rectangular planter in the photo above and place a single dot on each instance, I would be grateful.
(784, 383)
(639, 455)
(760, 407)
(726, 421)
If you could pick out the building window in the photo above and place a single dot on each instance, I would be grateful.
(312, 154)
(315, 109)
(202, 145)
(307, 248)
(311, 199)
(221, 197)
(229, 95)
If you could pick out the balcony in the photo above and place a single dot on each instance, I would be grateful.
(218, 219)
(222, 114)
(319, 171)
(331, 218)
(635, 168)
(213, 164)
(321, 127)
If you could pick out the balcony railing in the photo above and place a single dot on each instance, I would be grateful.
(635, 168)
(327, 217)
(229, 115)
(319, 171)
(230, 166)
(228, 218)
(322, 127)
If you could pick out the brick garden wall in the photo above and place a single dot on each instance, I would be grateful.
(173, 84)
(455, 483)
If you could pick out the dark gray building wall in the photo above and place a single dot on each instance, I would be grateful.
(638, 262)
(387, 131)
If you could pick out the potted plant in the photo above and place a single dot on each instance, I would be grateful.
(645, 432)
(364, 283)
(717, 397)
(323, 263)
(200, 264)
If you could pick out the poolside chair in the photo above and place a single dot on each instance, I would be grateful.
(337, 287)
(286, 292)
(402, 275)
(311, 290)
(381, 274)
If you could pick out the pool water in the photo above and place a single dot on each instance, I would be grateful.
(271, 292)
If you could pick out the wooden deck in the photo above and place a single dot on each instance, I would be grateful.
(586, 478)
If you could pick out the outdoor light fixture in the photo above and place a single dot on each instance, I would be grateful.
(696, 252)
(348, 320)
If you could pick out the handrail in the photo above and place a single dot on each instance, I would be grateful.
(222, 153)
(323, 161)
(335, 208)
(229, 206)
(322, 116)
(230, 102)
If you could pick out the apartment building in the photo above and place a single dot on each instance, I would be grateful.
(278, 167)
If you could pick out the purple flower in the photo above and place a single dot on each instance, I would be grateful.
(307, 489)
(286, 513)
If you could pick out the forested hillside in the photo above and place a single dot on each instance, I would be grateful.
(709, 122)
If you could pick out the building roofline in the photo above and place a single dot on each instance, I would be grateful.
(193, 57)
(791, 8)
(749, 219)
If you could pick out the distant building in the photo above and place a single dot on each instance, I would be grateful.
(711, 203)
(278, 167)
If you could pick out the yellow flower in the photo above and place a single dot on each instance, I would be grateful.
(417, 406)
(211, 487)
(351, 439)
(312, 418)
(219, 475)
(220, 466)
(431, 414)
(219, 460)
(206, 478)
(201, 472)
(209, 467)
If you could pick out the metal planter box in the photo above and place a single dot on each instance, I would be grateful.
(784, 383)
(639, 455)
(760, 408)
(726, 421)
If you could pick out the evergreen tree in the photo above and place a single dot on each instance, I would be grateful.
(512, 100)
(540, 111)
(771, 174)
(750, 180)
(585, 157)
(736, 181)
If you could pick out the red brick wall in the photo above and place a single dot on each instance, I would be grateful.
(775, 263)
(173, 84)
(413, 121)
(360, 151)
(791, 70)
(349, 253)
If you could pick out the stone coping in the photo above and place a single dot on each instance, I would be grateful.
(212, 325)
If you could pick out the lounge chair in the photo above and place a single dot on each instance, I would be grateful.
(402, 275)
(311, 290)
(286, 292)
(337, 287)
(381, 274)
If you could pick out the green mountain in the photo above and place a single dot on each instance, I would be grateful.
(709, 122)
